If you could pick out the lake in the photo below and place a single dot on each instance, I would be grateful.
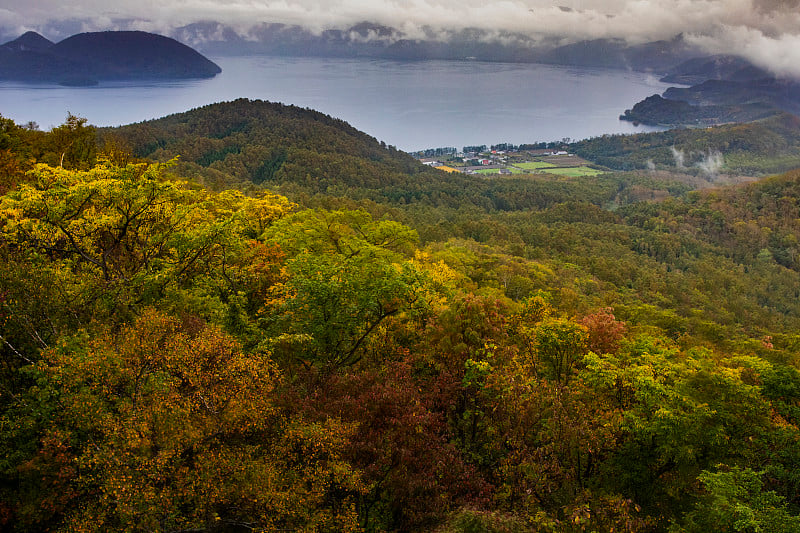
(411, 105)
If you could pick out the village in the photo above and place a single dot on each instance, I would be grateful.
(506, 160)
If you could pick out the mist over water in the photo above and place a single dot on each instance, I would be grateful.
(411, 105)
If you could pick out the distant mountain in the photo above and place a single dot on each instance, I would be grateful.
(28, 42)
(720, 67)
(657, 56)
(367, 39)
(361, 40)
(87, 58)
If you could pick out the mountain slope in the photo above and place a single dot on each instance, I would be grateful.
(762, 147)
(723, 89)
(305, 154)
(286, 146)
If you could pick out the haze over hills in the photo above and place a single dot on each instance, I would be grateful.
(745, 91)
(368, 39)
(679, 60)
(87, 58)
(718, 67)
(726, 88)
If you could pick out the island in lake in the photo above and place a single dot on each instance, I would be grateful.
(88, 58)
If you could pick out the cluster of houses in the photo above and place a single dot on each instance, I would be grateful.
(475, 162)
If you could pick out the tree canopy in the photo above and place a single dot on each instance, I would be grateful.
(184, 357)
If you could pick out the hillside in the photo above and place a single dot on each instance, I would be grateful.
(761, 147)
(88, 58)
(277, 145)
(303, 153)
(676, 112)
(508, 354)
(720, 67)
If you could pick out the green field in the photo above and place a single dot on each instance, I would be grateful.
(573, 172)
(534, 165)
(494, 171)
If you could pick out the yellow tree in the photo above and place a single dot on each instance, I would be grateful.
(104, 242)
(171, 426)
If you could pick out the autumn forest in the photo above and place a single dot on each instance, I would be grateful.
(253, 317)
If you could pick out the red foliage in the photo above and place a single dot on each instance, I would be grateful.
(459, 332)
(605, 331)
(401, 445)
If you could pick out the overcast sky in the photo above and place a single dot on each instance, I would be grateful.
(765, 31)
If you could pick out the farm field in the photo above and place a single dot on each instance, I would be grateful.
(567, 161)
(494, 171)
(573, 172)
(534, 165)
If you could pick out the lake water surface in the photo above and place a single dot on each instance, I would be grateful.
(411, 105)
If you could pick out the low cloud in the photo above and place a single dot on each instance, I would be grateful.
(679, 156)
(780, 54)
(765, 31)
(711, 164)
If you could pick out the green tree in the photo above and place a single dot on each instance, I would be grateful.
(345, 280)
(735, 501)
(73, 145)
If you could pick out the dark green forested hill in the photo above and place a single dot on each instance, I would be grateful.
(304, 153)
(265, 142)
(757, 148)
(388, 347)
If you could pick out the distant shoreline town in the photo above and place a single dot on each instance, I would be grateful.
(508, 159)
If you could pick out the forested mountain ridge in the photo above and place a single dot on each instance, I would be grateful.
(176, 358)
(263, 142)
(302, 151)
(251, 140)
